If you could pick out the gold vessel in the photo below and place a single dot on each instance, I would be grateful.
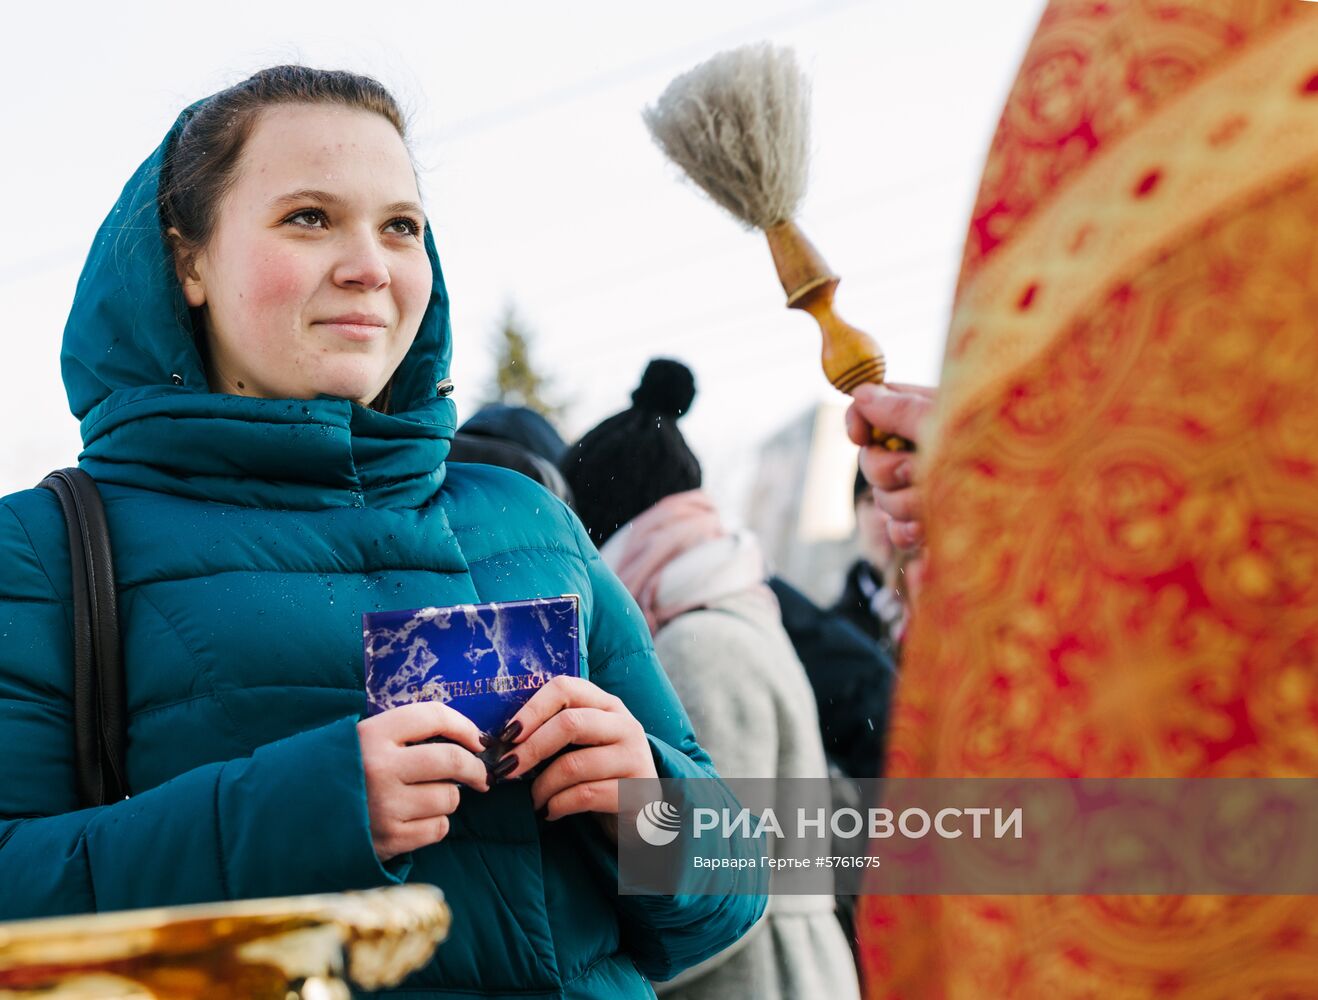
(306, 947)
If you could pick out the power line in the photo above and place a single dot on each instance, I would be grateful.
(730, 325)
(702, 324)
(722, 246)
(526, 108)
(548, 100)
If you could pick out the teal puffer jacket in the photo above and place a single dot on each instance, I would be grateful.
(249, 537)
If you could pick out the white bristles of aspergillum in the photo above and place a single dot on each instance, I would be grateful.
(739, 126)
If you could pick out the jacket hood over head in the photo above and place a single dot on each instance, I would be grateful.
(136, 381)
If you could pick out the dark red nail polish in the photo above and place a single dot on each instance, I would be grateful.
(505, 767)
(511, 732)
(487, 741)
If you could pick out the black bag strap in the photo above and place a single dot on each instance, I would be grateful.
(99, 711)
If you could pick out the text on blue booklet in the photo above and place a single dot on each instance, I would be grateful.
(484, 660)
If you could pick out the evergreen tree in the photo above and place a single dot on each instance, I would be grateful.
(517, 381)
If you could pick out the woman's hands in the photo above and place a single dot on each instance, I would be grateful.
(412, 786)
(609, 744)
(897, 409)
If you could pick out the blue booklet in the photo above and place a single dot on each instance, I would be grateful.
(485, 660)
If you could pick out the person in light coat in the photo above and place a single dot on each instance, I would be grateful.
(719, 636)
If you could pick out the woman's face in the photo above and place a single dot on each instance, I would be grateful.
(316, 277)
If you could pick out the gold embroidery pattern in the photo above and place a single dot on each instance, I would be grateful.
(1122, 501)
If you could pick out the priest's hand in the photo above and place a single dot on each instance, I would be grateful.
(895, 409)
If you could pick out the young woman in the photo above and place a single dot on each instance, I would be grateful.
(258, 352)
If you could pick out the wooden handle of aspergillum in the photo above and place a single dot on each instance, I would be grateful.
(851, 357)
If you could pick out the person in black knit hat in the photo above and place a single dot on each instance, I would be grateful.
(637, 457)
(719, 635)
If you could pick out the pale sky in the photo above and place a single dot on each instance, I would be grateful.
(541, 182)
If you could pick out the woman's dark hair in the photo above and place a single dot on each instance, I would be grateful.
(202, 164)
